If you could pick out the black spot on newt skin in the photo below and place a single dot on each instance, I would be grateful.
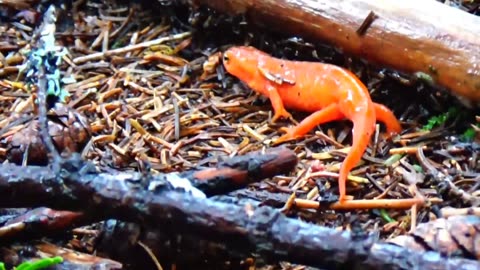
(282, 65)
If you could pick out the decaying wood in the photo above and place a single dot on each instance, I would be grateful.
(39, 222)
(451, 237)
(238, 172)
(228, 175)
(453, 234)
(456, 235)
(185, 250)
(67, 128)
(409, 36)
(261, 230)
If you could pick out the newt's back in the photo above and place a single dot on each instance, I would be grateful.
(317, 85)
(303, 86)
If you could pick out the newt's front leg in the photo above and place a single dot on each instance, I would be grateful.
(327, 114)
(277, 104)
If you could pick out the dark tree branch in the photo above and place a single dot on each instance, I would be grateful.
(260, 230)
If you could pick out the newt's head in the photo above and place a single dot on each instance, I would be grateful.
(242, 61)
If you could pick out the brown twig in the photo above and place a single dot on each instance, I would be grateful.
(100, 55)
(46, 32)
(400, 204)
(366, 23)
(440, 177)
(239, 171)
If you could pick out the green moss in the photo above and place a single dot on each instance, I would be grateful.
(438, 120)
(470, 133)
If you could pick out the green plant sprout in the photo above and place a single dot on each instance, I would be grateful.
(470, 133)
(437, 120)
(385, 216)
(34, 265)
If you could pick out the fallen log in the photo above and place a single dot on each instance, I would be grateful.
(409, 36)
(228, 175)
(450, 237)
(258, 230)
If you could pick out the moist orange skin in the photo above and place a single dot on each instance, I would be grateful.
(329, 92)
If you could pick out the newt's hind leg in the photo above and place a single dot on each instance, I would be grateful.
(386, 116)
(327, 114)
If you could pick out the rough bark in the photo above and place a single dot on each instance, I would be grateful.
(32, 186)
(259, 230)
(409, 36)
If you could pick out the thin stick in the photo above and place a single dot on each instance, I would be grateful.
(99, 55)
(366, 23)
(440, 177)
(400, 204)
(46, 32)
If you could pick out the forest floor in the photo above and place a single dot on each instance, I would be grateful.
(179, 93)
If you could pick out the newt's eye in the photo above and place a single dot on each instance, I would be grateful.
(225, 58)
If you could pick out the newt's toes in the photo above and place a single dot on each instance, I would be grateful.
(393, 130)
(284, 114)
(390, 135)
(288, 136)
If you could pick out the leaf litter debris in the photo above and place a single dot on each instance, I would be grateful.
(151, 88)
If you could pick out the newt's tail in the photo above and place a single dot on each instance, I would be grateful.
(363, 128)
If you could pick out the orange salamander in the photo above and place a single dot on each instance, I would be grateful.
(328, 91)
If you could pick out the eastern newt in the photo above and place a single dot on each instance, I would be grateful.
(328, 91)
